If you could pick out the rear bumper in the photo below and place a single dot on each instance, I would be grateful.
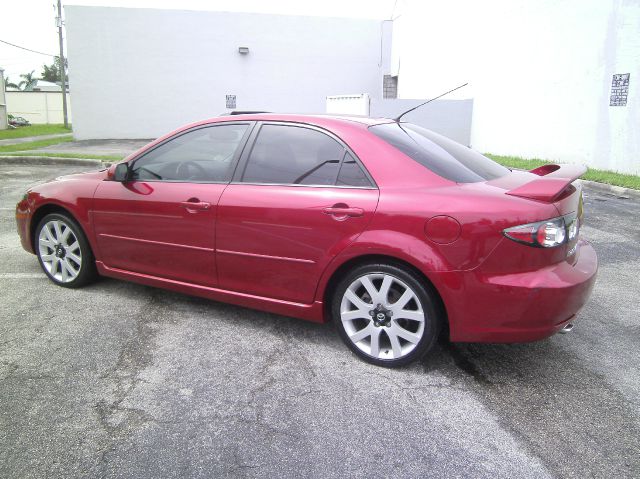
(519, 307)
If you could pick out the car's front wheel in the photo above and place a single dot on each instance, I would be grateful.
(63, 251)
(385, 314)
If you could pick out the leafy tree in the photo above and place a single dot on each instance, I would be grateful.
(28, 81)
(9, 84)
(52, 72)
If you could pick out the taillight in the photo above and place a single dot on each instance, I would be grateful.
(548, 233)
(551, 233)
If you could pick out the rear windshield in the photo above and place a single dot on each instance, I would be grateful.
(441, 155)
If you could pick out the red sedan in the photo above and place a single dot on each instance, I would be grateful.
(392, 231)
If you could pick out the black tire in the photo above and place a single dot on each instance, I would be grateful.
(427, 305)
(86, 272)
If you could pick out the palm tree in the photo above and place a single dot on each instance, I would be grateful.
(28, 81)
(9, 84)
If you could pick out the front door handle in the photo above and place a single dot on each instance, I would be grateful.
(194, 204)
(343, 211)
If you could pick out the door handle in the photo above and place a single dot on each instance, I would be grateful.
(195, 205)
(343, 211)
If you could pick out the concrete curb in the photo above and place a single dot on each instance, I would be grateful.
(611, 189)
(48, 160)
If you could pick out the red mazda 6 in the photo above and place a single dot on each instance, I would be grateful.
(390, 230)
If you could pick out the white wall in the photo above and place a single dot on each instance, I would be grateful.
(38, 107)
(540, 73)
(451, 118)
(354, 104)
(138, 73)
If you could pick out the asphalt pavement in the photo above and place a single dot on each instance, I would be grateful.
(122, 380)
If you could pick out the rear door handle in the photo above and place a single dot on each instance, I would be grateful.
(195, 205)
(343, 211)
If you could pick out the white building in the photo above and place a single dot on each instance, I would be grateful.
(540, 73)
(138, 73)
(42, 85)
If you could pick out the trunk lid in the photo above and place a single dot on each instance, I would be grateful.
(555, 184)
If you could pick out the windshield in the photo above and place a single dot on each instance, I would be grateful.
(445, 157)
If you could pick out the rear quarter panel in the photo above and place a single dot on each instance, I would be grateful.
(398, 231)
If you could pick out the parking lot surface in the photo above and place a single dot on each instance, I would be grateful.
(122, 380)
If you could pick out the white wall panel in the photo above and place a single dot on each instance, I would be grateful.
(38, 107)
(539, 72)
(138, 73)
(451, 118)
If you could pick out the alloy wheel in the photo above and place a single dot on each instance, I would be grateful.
(382, 316)
(59, 250)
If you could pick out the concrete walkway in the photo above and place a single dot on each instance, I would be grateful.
(96, 147)
(27, 139)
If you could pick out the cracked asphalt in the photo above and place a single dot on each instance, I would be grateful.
(122, 380)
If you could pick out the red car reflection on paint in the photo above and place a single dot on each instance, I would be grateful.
(394, 232)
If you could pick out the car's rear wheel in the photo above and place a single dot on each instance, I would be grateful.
(385, 314)
(63, 251)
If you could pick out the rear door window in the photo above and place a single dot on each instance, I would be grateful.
(443, 156)
(292, 155)
(351, 174)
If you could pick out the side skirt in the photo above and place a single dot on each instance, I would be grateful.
(310, 312)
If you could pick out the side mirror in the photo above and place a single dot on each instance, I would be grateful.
(118, 172)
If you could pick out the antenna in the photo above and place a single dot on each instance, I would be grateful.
(397, 120)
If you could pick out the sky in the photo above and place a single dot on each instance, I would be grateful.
(31, 23)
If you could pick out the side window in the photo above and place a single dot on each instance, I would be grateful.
(205, 154)
(293, 155)
(351, 174)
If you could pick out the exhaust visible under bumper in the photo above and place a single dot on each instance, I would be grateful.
(567, 329)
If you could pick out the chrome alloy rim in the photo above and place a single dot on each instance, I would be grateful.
(59, 251)
(382, 316)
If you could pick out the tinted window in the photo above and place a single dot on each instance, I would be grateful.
(441, 155)
(351, 174)
(205, 154)
(293, 155)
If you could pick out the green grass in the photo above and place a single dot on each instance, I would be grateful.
(613, 178)
(34, 145)
(592, 174)
(33, 130)
(79, 156)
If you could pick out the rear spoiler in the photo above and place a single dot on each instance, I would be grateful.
(555, 180)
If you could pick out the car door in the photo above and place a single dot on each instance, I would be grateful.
(161, 221)
(298, 198)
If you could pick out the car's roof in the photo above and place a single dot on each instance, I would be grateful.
(312, 119)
